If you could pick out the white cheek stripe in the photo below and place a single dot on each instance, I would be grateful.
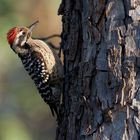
(16, 42)
(23, 42)
(19, 34)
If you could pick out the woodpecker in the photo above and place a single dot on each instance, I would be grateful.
(41, 62)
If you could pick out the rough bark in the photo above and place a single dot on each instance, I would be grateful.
(100, 40)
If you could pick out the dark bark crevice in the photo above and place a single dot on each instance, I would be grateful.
(101, 63)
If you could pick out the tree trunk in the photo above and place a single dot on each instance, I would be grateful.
(100, 40)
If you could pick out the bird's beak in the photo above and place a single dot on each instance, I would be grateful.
(32, 26)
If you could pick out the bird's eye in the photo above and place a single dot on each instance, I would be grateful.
(23, 33)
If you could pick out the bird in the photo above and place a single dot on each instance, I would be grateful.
(41, 62)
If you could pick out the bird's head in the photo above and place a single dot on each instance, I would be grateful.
(18, 36)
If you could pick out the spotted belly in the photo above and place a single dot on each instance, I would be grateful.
(38, 73)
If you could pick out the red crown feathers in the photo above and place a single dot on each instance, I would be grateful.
(11, 35)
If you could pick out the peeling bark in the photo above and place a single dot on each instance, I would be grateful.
(100, 40)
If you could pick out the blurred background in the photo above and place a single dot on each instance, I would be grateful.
(23, 114)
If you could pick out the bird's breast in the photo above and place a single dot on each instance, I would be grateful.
(37, 71)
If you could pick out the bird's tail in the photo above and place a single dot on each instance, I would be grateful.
(55, 111)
